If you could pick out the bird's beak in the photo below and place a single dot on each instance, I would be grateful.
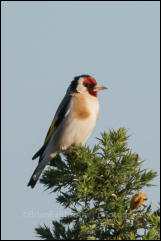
(99, 87)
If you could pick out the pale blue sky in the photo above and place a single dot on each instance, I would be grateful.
(44, 45)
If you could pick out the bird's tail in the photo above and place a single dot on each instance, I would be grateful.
(42, 163)
(35, 176)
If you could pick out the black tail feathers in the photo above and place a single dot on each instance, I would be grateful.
(35, 176)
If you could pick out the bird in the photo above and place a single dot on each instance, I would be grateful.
(73, 122)
(137, 200)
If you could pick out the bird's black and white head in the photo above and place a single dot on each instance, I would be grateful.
(85, 84)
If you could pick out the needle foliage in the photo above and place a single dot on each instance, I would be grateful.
(97, 186)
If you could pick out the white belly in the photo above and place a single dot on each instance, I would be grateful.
(76, 131)
(72, 132)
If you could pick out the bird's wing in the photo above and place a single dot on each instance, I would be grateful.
(61, 112)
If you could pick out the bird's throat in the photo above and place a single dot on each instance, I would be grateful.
(91, 92)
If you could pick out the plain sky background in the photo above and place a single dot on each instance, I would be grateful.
(44, 45)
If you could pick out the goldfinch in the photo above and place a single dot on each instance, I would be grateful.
(73, 122)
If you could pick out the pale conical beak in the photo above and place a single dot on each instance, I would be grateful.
(99, 87)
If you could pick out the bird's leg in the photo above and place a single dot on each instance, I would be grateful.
(65, 150)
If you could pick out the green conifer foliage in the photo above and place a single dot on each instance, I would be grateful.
(97, 185)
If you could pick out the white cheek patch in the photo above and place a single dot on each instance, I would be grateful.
(81, 88)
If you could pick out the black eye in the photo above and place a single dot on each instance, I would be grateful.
(89, 85)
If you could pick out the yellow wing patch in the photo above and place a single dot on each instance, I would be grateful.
(51, 130)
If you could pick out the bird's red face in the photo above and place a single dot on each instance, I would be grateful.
(91, 85)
